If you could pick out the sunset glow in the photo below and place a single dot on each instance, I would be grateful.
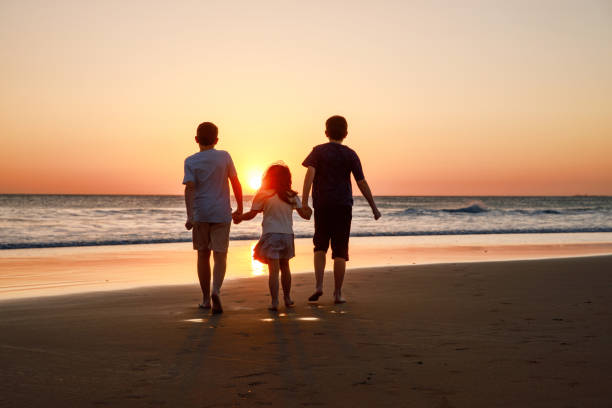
(491, 97)
(254, 179)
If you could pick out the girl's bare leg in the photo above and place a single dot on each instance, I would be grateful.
(286, 282)
(273, 268)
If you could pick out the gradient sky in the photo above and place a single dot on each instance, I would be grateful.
(442, 97)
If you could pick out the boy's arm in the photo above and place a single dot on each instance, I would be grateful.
(189, 194)
(237, 188)
(308, 178)
(363, 185)
(365, 190)
(305, 212)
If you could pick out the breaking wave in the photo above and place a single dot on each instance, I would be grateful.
(243, 237)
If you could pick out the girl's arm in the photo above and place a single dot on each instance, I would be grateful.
(256, 207)
(245, 217)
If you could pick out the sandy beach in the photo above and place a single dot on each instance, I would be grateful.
(531, 333)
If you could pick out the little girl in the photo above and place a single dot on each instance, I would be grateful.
(275, 247)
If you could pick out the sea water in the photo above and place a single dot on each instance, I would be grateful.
(40, 221)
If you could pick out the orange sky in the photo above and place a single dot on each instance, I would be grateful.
(442, 97)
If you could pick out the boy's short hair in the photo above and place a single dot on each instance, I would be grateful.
(336, 127)
(207, 133)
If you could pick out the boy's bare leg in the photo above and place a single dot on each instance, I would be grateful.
(339, 270)
(204, 276)
(319, 267)
(220, 259)
(273, 267)
(286, 282)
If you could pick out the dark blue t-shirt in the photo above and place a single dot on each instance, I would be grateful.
(333, 163)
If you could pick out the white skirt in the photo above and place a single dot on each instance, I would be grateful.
(274, 245)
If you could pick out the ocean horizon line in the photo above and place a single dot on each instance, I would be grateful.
(354, 196)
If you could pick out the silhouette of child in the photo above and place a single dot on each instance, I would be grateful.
(329, 174)
(276, 246)
(209, 213)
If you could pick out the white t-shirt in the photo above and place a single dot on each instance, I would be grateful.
(277, 214)
(210, 171)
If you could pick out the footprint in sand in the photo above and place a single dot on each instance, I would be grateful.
(251, 374)
(245, 395)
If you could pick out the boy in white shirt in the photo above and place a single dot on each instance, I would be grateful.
(209, 212)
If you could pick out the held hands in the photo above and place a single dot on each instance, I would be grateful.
(307, 212)
(237, 216)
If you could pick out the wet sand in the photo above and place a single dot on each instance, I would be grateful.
(492, 334)
(59, 271)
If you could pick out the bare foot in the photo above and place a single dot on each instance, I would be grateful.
(216, 304)
(289, 302)
(338, 299)
(315, 296)
(273, 306)
(204, 305)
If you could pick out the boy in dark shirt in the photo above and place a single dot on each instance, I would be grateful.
(329, 173)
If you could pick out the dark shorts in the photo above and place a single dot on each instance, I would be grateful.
(333, 224)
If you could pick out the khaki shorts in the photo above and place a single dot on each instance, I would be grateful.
(214, 236)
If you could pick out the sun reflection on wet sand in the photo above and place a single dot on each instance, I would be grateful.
(210, 326)
(257, 268)
(305, 319)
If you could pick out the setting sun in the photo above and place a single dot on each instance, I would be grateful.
(254, 179)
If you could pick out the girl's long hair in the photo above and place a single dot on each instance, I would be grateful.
(278, 179)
